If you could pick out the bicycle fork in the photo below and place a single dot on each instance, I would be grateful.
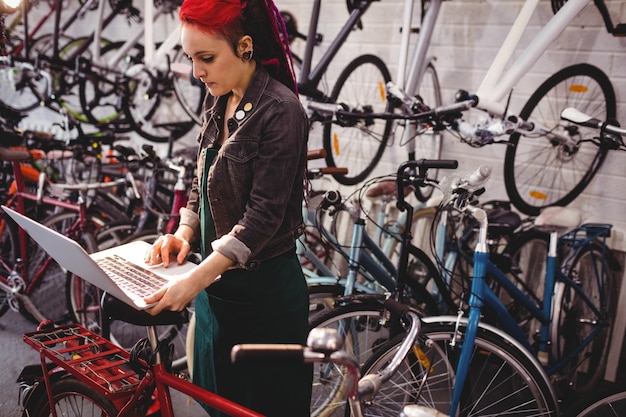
(481, 256)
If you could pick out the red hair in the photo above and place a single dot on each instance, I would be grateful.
(233, 19)
(215, 17)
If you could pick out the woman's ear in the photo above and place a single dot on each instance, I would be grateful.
(245, 44)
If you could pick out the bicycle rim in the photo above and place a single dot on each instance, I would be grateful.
(359, 145)
(152, 108)
(502, 379)
(428, 140)
(575, 319)
(611, 406)
(540, 171)
(363, 329)
(190, 94)
(72, 398)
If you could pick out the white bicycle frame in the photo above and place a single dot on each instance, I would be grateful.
(154, 58)
(495, 85)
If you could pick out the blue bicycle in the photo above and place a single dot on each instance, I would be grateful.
(567, 338)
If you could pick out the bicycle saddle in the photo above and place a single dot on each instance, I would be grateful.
(114, 309)
(502, 221)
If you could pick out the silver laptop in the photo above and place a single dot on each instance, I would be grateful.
(120, 271)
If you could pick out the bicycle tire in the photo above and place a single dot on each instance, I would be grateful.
(152, 108)
(99, 91)
(610, 406)
(363, 328)
(8, 255)
(541, 172)
(359, 145)
(21, 96)
(71, 397)
(574, 320)
(503, 378)
(527, 252)
(84, 298)
(48, 295)
(189, 92)
(428, 144)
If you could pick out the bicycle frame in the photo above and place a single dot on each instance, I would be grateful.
(153, 57)
(495, 86)
(482, 296)
(125, 388)
(18, 200)
(311, 77)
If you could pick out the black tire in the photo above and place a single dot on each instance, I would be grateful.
(611, 406)
(540, 171)
(364, 327)
(189, 92)
(71, 397)
(99, 89)
(428, 141)
(8, 254)
(574, 320)
(428, 292)
(48, 295)
(503, 378)
(527, 253)
(359, 145)
(152, 108)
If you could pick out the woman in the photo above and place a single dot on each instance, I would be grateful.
(244, 207)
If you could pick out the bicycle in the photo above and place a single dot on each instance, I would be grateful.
(28, 275)
(577, 306)
(429, 373)
(160, 213)
(360, 87)
(125, 84)
(91, 374)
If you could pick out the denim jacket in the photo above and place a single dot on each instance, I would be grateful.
(255, 186)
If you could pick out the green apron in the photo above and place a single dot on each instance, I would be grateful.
(267, 305)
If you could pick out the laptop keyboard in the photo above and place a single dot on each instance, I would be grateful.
(131, 277)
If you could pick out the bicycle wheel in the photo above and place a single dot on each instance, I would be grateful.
(503, 378)
(189, 92)
(428, 140)
(581, 315)
(99, 89)
(152, 108)
(71, 398)
(84, 298)
(526, 254)
(611, 406)
(554, 167)
(358, 144)
(363, 327)
(23, 87)
(8, 255)
(48, 292)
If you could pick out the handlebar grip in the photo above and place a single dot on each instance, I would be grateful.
(422, 165)
(316, 154)
(396, 307)
(452, 108)
(267, 353)
(334, 170)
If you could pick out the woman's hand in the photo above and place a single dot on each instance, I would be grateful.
(176, 295)
(165, 247)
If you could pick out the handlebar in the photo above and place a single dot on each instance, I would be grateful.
(610, 136)
(417, 178)
(576, 116)
(325, 345)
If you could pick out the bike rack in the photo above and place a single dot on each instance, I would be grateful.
(88, 356)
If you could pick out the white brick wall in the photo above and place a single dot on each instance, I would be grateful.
(467, 37)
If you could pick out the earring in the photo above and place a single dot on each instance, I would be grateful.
(247, 56)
